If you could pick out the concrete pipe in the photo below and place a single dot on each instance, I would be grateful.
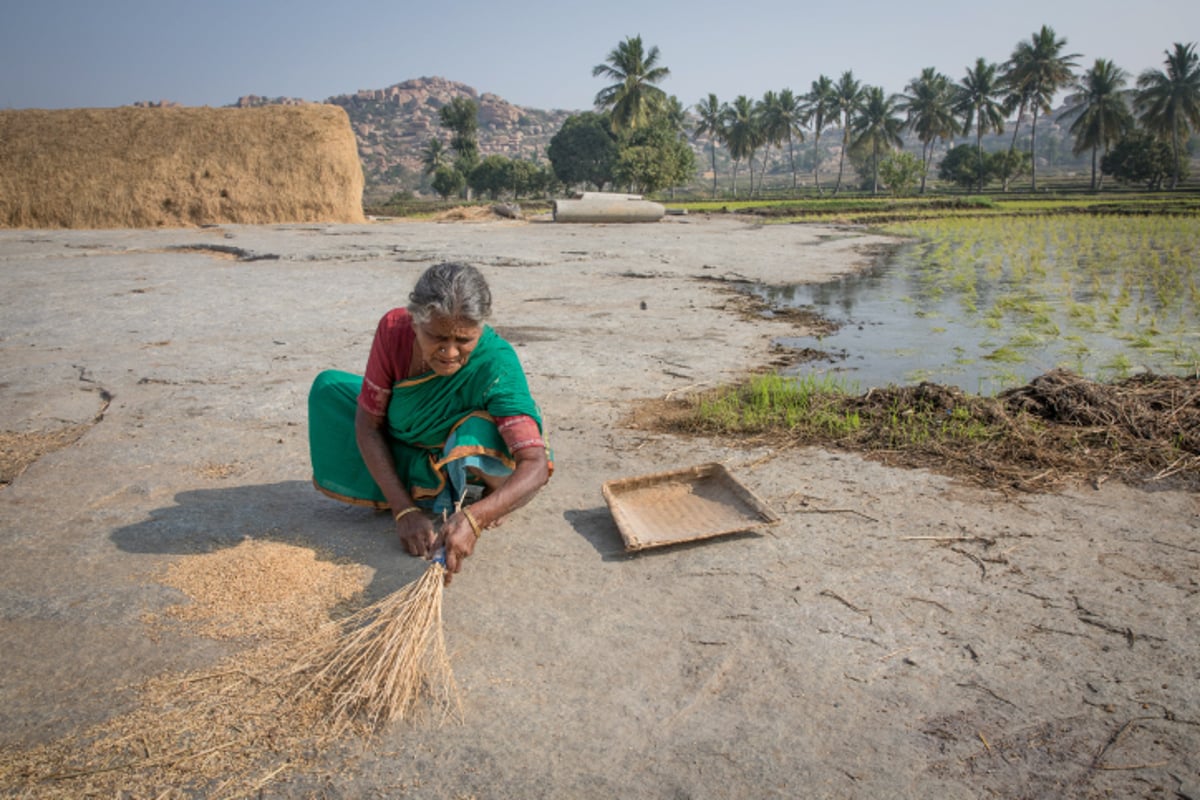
(607, 210)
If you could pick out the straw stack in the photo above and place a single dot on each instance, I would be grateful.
(383, 659)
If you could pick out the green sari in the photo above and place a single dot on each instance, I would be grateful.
(435, 425)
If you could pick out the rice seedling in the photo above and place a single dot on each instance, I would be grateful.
(1127, 283)
(1004, 355)
(773, 401)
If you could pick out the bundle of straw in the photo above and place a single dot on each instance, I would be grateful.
(385, 657)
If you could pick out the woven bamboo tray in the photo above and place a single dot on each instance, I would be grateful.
(683, 506)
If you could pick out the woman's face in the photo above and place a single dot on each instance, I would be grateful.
(446, 343)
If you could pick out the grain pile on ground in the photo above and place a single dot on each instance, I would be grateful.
(226, 732)
(174, 167)
(19, 450)
(259, 589)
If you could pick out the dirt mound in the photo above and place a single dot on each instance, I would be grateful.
(175, 167)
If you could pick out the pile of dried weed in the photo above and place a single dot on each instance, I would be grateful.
(1059, 429)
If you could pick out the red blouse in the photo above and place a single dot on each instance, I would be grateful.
(390, 361)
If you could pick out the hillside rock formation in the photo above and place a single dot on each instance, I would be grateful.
(394, 123)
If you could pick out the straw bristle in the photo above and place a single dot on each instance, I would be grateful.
(386, 657)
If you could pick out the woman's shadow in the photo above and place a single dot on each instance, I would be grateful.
(290, 512)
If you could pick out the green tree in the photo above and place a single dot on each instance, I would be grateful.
(584, 150)
(820, 111)
(900, 173)
(785, 123)
(654, 157)
(1100, 112)
(742, 136)
(847, 99)
(524, 178)
(978, 104)
(711, 123)
(770, 130)
(1141, 158)
(461, 117)
(447, 181)
(492, 175)
(876, 126)
(966, 166)
(1036, 71)
(632, 100)
(929, 110)
(1168, 101)
(1015, 99)
(674, 114)
(1008, 165)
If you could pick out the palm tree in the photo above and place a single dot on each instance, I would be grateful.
(1016, 99)
(1035, 72)
(634, 97)
(876, 124)
(770, 129)
(928, 107)
(979, 104)
(461, 117)
(674, 114)
(711, 113)
(791, 120)
(1101, 114)
(847, 98)
(434, 155)
(742, 135)
(819, 110)
(1168, 101)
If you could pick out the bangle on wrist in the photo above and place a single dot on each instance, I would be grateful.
(399, 514)
(474, 522)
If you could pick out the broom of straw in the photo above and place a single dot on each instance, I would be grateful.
(386, 656)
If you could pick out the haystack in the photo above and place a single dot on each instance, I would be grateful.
(176, 167)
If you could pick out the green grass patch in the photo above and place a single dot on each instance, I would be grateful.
(773, 402)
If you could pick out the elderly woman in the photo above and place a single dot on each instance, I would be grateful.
(444, 406)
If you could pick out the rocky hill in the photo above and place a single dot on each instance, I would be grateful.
(393, 124)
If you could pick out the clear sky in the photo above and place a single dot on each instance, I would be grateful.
(82, 53)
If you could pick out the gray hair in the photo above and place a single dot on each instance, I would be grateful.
(457, 291)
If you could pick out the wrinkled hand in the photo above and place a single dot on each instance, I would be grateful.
(458, 537)
(416, 534)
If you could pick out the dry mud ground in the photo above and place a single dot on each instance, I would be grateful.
(895, 635)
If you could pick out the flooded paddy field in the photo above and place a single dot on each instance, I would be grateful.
(988, 304)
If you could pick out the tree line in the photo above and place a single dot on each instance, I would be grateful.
(638, 136)
(1137, 134)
